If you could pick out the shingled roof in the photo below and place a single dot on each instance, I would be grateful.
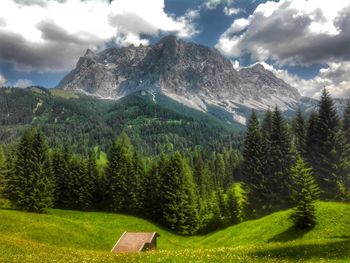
(135, 242)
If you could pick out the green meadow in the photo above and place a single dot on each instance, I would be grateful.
(71, 236)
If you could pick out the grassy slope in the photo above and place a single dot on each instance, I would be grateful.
(67, 236)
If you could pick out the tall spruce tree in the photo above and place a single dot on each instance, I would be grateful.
(178, 196)
(3, 171)
(346, 122)
(311, 139)
(299, 133)
(304, 192)
(279, 161)
(60, 175)
(119, 169)
(326, 131)
(151, 193)
(29, 185)
(253, 167)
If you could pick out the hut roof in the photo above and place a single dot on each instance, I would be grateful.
(133, 241)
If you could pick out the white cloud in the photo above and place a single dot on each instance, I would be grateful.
(335, 78)
(295, 32)
(230, 11)
(50, 35)
(213, 4)
(22, 83)
(2, 80)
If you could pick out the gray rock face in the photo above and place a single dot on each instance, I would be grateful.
(185, 71)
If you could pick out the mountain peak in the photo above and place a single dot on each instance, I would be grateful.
(89, 53)
(183, 70)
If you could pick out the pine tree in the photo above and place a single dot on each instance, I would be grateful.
(299, 132)
(236, 203)
(279, 161)
(311, 139)
(341, 167)
(3, 171)
(151, 185)
(178, 196)
(118, 170)
(93, 180)
(253, 167)
(60, 175)
(327, 128)
(346, 122)
(304, 192)
(267, 123)
(29, 186)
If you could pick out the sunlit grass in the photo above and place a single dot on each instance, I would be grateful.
(70, 236)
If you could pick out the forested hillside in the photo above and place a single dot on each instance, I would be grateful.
(84, 122)
(283, 165)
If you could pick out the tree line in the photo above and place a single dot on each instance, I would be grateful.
(283, 164)
(293, 164)
(184, 191)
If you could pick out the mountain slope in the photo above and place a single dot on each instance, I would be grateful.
(84, 236)
(193, 74)
(151, 120)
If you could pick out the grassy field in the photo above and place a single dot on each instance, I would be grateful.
(69, 236)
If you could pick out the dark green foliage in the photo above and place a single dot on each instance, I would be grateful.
(324, 153)
(253, 167)
(178, 196)
(299, 133)
(311, 139)
(151, 185)
(304, 192)
(346, 122)
(60, 171)
(29, 185)
(278, 160)
(85, 122)
(3, 171)
(118, 173)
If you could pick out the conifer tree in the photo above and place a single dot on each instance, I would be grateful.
(237, 203)
(178, 196)
(118, 170)
(60, 176)
(299, 132)
(304, 192)
(311, 139)
(151, 193)
(253, 167)
(279, 161)
(326, 130)
(346, 122)
(134, 184)
(29, 185)
(267, 123)
(3, 171)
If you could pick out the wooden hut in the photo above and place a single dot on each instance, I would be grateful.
(136, 242)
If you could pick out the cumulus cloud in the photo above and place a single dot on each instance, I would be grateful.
(2, 80)
(49, 35)
(22, 83)
(335, 78)
(294, 32)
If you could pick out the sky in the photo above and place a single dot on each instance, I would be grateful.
(304, 42)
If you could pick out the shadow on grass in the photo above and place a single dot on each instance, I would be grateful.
(290, 234)
(302, 252)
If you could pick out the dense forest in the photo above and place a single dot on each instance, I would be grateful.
(154, 126)
(282, 164)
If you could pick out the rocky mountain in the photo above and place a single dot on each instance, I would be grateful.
(195, 75)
